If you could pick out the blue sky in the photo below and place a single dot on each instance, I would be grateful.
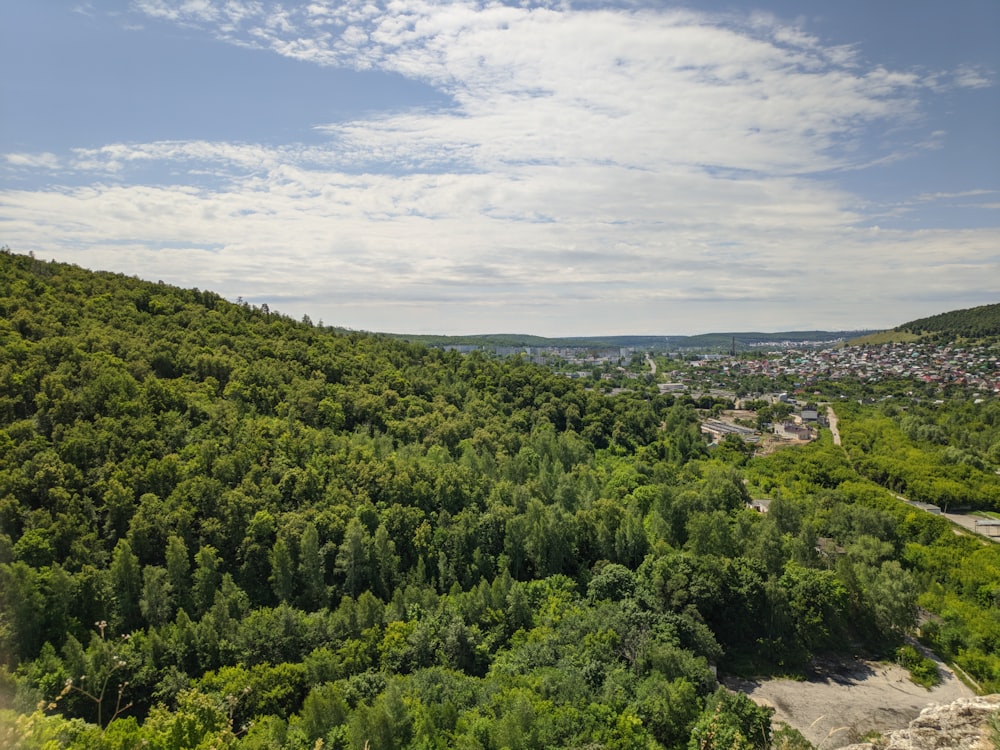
(549, 168)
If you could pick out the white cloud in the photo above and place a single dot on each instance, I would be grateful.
(600, 170)
(951, 196)
(44, 160)
(973, 78)
(368, 250)
(639, 88)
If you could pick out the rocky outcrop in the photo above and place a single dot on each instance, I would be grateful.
(962, 725)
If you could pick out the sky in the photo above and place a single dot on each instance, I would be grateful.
(552, 168)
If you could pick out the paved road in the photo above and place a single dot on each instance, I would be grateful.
(652, 364)
(968, 522)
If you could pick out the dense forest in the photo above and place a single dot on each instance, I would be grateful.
(220, 527)
(945, 456)
(973, 323)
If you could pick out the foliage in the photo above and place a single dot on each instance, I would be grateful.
(732, 721)
(972, 323)
(993, 727)
(786, 737)
(295, 534)
(923, 671)
(929, 453)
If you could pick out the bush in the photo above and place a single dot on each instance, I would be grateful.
(789, 738)
(923, 671)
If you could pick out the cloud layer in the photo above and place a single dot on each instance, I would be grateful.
(596, 171)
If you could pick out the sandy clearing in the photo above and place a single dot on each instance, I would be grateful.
(841, 701)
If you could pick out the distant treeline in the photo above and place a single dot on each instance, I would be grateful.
(705, 341)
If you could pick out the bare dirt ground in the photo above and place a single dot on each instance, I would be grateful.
(831, 417)
(842, 701)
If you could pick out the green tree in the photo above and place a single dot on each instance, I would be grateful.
(255, 558)
(157, 601)
(385, 562)
(817, 603)
(179, 570)
(198, 721)
(892, 594)
(613, 581)
(314, 594)
(126, 582)
(731, 721)
(22, 613)
(323, 709)
(669, 708)
(386, 723)
(282, 571)
(353, 557)
(206, 579)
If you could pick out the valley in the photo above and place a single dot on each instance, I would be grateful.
(221, 527)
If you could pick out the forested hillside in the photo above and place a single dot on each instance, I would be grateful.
(220, 527)
(974, 323)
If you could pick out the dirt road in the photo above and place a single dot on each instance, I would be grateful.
(831, 417)
(843, 701)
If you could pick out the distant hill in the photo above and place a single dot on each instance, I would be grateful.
(743, 340)
(526, 340)
(973, 324)
(705, 341)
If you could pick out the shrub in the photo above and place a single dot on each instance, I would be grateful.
(923, 671)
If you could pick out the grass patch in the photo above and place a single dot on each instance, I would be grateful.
(874, 738)
(885, 337)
